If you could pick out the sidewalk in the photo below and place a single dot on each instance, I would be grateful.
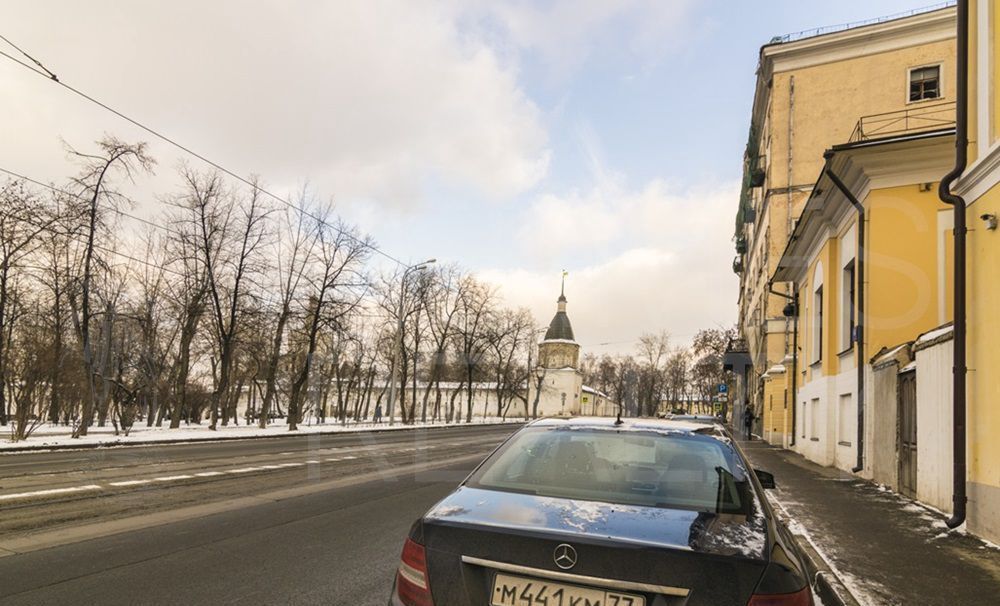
(884, 548)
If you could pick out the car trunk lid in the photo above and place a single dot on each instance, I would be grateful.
(703, 558)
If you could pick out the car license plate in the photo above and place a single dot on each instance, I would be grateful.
(519, 591)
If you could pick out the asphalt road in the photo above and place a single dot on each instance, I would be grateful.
(279, 521)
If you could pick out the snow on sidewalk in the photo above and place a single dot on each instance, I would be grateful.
(886, 549)
(60, 436)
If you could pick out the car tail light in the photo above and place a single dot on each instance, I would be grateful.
(412, 586)
(803, 597)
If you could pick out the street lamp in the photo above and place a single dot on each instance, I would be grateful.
(396, 352)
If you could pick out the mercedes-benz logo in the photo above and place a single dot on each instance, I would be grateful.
(564, 556)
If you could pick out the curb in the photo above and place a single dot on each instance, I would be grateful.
(90, 446)
(826, 583)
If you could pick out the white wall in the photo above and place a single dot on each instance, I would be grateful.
(822, 397)
(557, 382)
(934, 420)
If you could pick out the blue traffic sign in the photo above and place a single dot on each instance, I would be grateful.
(723, 388)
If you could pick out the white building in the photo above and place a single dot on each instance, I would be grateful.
(558, 374)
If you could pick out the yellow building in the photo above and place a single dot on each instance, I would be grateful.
(865, 288)
(979, 185)
(814, 92)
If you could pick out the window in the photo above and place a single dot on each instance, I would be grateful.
(813, 432)
(650, 469)
(847, 305)
(805, 418)
(925, 83)
(845, 420)
(818, 325)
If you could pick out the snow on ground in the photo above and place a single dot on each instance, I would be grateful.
(49, 435)
(862, 590)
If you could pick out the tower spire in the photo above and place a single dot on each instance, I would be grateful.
(562, 289)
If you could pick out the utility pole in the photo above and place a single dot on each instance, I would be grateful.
(396, 351)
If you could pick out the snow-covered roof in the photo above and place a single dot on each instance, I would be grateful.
(570, 341)
(890, 356)
(777, 369)
(589, 389)
(937, 333)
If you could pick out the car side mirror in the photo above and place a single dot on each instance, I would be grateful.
(766, 478)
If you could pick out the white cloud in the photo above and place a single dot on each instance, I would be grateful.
(665, 265)
(566, 33)
(369, 99)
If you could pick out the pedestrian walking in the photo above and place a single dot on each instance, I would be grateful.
(378, 413)
(748, 418)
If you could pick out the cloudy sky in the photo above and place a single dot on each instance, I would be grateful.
(514, 138)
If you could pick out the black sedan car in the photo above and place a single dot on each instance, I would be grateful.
(599, 512)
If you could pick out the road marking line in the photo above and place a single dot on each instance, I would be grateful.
(334, 459)
(291, 465)
(208, 474)
(349, 457)
(244, 470)
(270, 466)
(173, 478)
(313, 462)
(37, 493)
(129, 482)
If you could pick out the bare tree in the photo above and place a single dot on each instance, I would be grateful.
(335, 290)
(653, 350)
(96, 197)
(230, 232)
(24, 217)
(444, 297)
(294, 252)
(476, 304)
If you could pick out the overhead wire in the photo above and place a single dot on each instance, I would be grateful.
(115, 210)
(49, 75)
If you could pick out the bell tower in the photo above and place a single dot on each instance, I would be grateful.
(558, 363)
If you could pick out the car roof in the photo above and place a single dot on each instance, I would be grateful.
(687, 417)
(626, 424)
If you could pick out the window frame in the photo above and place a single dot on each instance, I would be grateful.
(848, 306)
(909, 80)
(817, 324)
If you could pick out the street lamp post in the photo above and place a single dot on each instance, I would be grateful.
(396, 351)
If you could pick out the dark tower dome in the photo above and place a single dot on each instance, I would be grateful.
(559, 327)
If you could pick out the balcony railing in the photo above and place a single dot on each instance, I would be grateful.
(912, 120)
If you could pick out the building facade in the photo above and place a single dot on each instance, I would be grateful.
(812, 93)
(979, 185)
(869, 278)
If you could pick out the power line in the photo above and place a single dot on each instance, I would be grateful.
(110, 251)
(48, 75)
(118, 211)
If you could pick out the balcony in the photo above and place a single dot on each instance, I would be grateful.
(909, 121)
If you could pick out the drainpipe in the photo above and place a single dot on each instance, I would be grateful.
(794, 298)
(945, 194)
(860, 326)
(795, 359)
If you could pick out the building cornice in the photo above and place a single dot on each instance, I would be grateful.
(862, 41)
(981, 177)
(863, 168)
(916, 30)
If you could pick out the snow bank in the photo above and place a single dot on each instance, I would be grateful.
(60, 436)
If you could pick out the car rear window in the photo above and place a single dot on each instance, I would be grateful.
(650, 468)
